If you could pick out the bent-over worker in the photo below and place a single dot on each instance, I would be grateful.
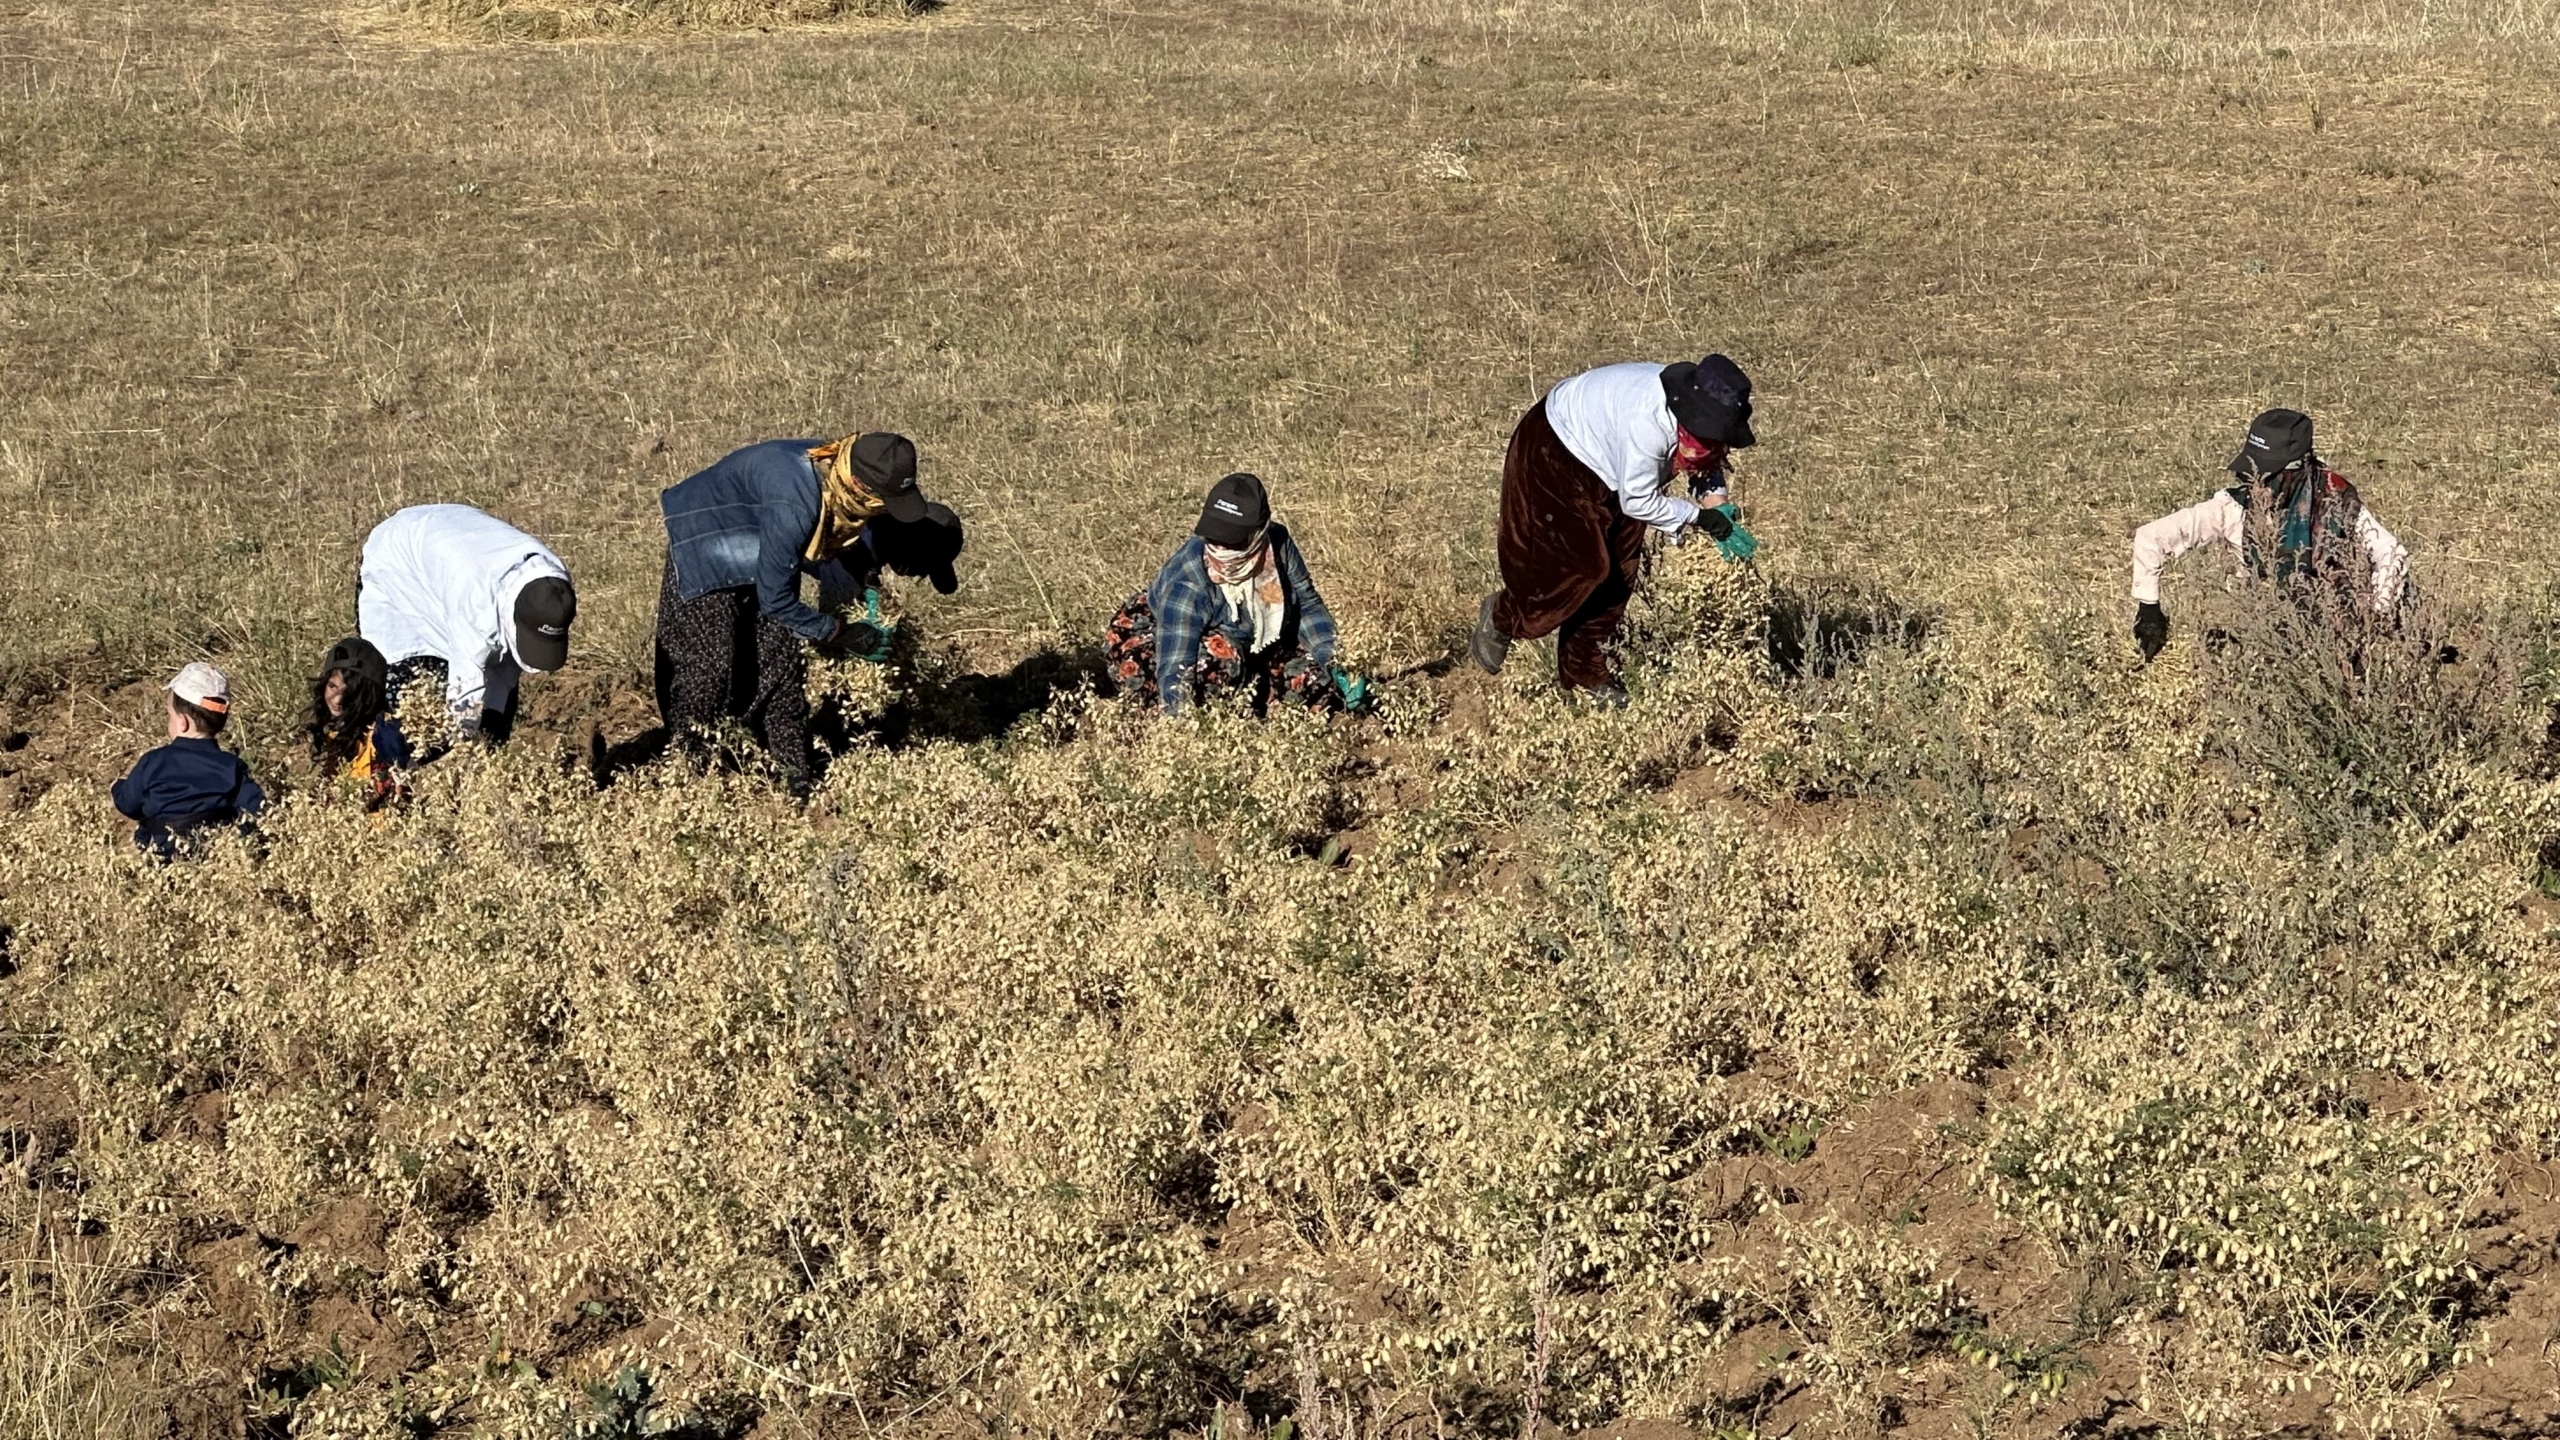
(740, 534)
(450, 590)
(2291, 519)
(1590, 471)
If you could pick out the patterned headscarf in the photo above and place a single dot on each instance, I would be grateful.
(2301, 521)
(845, 504)
(1250, 579)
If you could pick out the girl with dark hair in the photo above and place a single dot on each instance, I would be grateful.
(353, 735)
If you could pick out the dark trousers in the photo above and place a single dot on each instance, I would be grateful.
(1569, 556)
(720, 658)
(495, 725)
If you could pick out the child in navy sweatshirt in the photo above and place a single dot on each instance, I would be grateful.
(191, 783)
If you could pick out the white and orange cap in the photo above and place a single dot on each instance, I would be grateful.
(203, 687)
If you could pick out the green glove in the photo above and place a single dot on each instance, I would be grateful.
(869, 637)
(1353, 688)
(1724, 524)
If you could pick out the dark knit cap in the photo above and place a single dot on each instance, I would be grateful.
(2277, 440)
(1235, 512)
(886, 465)
(1711, 400)
(358, 658)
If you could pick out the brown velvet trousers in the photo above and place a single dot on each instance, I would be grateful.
(1569, 557)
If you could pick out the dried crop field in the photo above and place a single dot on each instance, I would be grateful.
(1955, 1030)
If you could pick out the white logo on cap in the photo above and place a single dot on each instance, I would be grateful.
(1230, 507)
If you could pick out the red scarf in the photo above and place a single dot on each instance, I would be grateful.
(1693, 456)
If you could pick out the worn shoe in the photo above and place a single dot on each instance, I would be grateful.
(1490, 646)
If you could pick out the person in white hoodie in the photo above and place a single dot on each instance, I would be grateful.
(1590, 472)
(451, 588)
(2291, 520)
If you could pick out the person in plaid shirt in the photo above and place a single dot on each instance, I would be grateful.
(1234, 611)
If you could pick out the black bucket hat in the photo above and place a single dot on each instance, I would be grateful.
(1237, 510)
(358, 658)
(886, 465)
(544, 610)
(925, 547)
(1711, 400)
(2278, 440)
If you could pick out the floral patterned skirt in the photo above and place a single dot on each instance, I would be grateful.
(1223, 670)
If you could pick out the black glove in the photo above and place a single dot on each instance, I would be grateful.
(1718, 528)
(864, 641)
(2150, 628)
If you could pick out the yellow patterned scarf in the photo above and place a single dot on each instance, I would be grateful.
(845, 504)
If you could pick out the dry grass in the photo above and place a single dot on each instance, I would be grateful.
(564, 19)
(2010, 290)
(73, 1339)
(2107, 1050)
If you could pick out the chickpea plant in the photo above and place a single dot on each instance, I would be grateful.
(1064, 1080)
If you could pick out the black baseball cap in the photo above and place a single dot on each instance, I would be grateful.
(544, 610)
(2278, 439)
(1237, 510)
(357, 657)
(1711, 400)
(923, 547)
(886, 465)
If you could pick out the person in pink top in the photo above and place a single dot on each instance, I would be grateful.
(2291, 519)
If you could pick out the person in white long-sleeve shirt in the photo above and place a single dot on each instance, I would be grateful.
(1591, 470)
(451, 587)
(2290, 518)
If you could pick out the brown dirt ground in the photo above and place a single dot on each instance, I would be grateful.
(1896, 1159)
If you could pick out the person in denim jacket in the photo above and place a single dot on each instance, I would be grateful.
(740, 535)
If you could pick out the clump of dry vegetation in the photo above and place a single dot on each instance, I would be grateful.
(78, 1342)
(1910, 1014)
(1065, 1083)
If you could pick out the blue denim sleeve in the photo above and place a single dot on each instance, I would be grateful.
(837, 582)
(248, 799)
(785, 525)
